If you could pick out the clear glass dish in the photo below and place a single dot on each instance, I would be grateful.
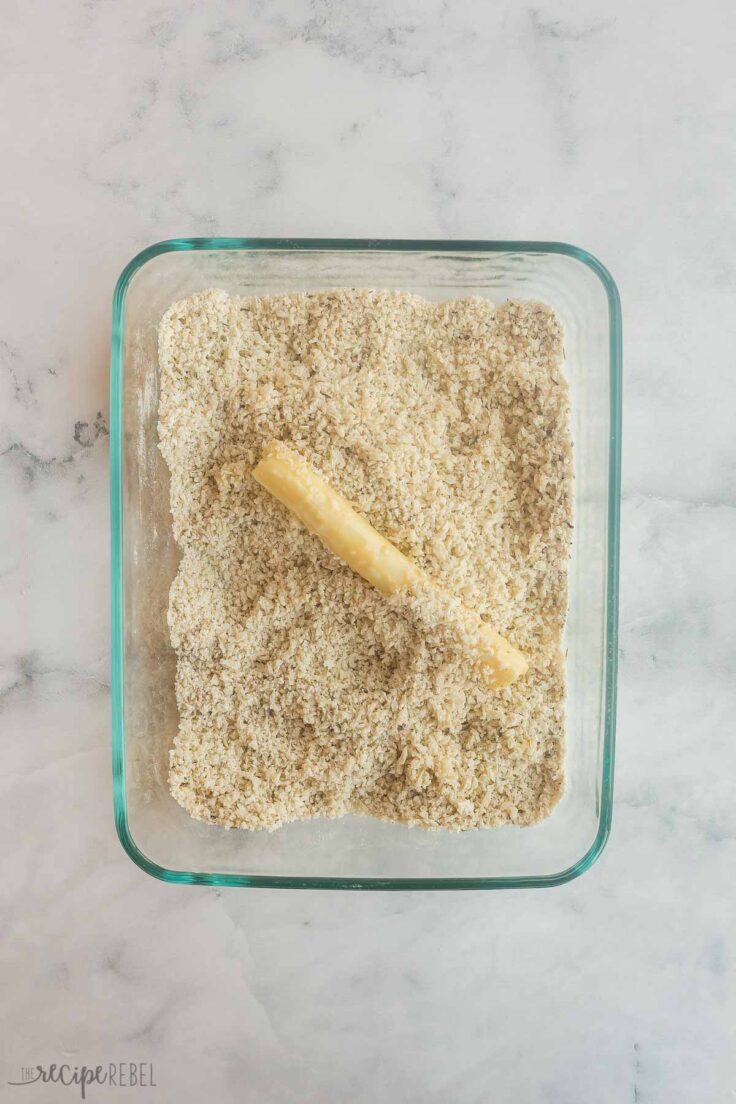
(356, 852)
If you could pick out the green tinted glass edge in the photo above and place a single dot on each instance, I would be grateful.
(183, 877)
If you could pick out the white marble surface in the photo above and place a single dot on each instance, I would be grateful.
(606, 124)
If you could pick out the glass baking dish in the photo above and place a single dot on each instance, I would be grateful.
(357, 852)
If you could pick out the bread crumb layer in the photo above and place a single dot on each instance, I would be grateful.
(302, 691)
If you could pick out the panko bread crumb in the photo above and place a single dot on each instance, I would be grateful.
(302, 691)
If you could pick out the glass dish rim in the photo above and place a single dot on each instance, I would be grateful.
(117, 651)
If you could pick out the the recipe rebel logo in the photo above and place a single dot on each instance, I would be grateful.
(111, 1075)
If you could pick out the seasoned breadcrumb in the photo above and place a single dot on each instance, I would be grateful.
(302, 691)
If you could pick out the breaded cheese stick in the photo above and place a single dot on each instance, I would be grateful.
(347, 534)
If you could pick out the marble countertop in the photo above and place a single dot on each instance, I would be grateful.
(607, 125)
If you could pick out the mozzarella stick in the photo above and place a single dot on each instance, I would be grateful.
(332, 518)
